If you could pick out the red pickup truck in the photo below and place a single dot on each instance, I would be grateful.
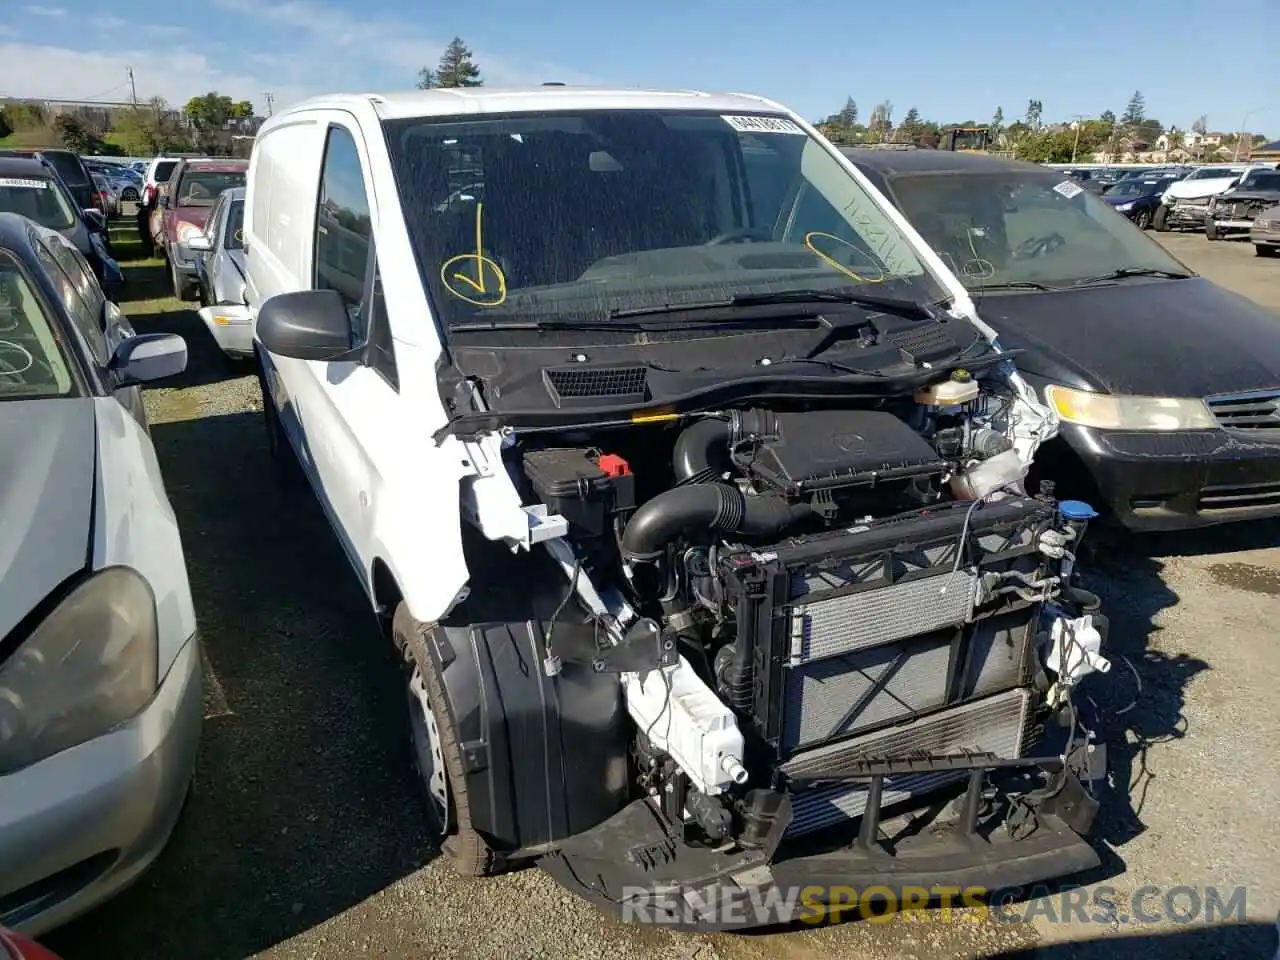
(182, 207)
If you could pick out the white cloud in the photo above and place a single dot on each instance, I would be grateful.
(38, 11)
(176, 74)
(343, 41)
(292, 48)
(161, 31)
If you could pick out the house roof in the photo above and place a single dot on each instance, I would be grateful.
(1272, 147)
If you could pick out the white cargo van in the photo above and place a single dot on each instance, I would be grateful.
(652, 432)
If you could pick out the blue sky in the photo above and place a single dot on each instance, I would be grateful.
(952, 61)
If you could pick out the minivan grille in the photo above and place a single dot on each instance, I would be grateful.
(1256, 411)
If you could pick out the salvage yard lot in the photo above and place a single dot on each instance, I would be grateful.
(302, 835)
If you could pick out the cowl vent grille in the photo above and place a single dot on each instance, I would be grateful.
(582, 384)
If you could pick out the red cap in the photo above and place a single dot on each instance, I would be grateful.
(613, 465)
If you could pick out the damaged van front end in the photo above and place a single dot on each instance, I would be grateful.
(758, 598)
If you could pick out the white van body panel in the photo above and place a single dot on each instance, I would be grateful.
(390, 491)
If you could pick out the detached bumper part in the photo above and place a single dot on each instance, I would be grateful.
(632, 866)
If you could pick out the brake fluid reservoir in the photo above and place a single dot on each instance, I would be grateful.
(959, 388)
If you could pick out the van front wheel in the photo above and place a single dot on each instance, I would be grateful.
(437, 757)
(1160, 220)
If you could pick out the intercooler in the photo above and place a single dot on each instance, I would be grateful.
(882, 641)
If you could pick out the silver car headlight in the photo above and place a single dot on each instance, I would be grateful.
(1125, 206)
(1108, 411)
(88, 666)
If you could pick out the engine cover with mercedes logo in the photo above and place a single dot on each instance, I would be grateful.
(804, 453)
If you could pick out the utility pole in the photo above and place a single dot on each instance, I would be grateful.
(1079, 118)
(270, 98)
(133, 90)
(1245, 133)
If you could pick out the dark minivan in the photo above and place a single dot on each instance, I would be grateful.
(70, 168)
(1167, 386)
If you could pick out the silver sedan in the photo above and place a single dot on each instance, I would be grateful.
(220, 273)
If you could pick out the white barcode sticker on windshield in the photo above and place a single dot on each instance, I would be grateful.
(20, 182)
(1069, 189)
(762, 125)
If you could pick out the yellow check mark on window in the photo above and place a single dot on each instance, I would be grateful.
(488, 287)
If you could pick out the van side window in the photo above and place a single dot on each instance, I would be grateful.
(343, 226)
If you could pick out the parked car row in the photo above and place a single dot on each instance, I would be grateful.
(1220, 199)
(623, 409)
(100, 694)
(31, 186)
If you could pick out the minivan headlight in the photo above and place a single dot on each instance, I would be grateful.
(88, 666)
(1111, 412)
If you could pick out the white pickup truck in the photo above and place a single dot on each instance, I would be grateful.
(688, 483)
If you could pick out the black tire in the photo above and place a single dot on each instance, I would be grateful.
(1211, 230)
(1161, 219)
(468, 852)
(129, 195)
(1262, 250)
(183, 288)
(283, 460)
(1142, 219)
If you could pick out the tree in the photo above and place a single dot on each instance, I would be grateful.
(1108, 117)
(911, 122)
(997, 124)
(75, 134)
(1174, 139)
(1035, 110)
(1136, 111)
(5, 129)
(426, 79)
(1048, 147)
(1200, 125)
(456, 68)
(208, 112)
(848, 116)
(881, 123)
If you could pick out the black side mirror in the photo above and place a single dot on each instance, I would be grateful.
(95, 219)
(307, 325)
(162, 201)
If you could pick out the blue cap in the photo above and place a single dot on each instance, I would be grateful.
(1076, 510)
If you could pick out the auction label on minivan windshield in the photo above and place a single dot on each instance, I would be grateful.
(23, 183)
(762, 125)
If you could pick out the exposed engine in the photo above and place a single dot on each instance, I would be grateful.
(814, 612)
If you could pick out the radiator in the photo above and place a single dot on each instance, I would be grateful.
(837, 696)
(992, 725)
(877, 625)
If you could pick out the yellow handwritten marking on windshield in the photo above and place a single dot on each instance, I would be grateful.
(484, 285)
(832, 262)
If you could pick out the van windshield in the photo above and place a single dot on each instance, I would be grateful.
(587, 213)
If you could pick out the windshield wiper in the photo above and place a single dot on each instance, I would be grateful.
(1014, 285)
(910, 308)
(631, 326)
(1124, 273)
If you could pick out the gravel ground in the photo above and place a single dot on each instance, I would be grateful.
(303, 839)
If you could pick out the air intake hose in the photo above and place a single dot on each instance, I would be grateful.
(706, 506)
(700, 450)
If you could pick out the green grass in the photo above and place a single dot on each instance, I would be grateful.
(147, 291)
